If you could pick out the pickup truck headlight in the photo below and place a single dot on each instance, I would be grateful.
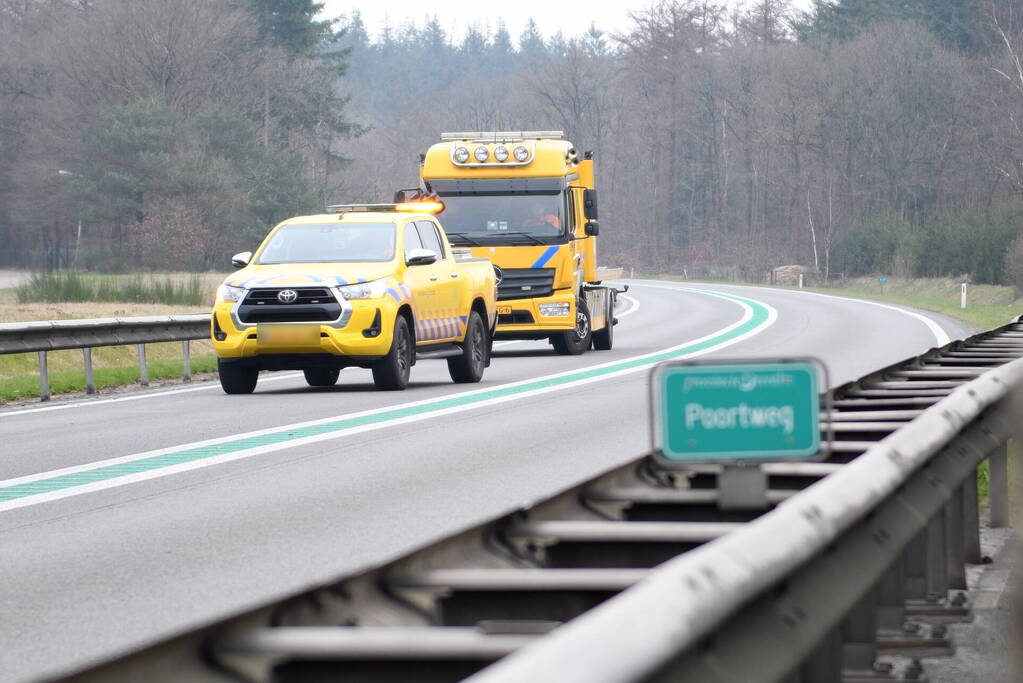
(363, 290)
(227, 293)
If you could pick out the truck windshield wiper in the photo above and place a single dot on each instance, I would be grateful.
(462, 236)
(526, 235)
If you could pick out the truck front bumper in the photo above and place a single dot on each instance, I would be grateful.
(532, 319)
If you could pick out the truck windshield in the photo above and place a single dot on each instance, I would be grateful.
(504, 219)
(331, 243)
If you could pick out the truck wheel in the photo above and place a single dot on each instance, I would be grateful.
(391, 372)
(604, 339)
(467, 367)
(321, 377)
(577, 340)
(236, 378)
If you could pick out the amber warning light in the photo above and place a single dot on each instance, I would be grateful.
(423, 206)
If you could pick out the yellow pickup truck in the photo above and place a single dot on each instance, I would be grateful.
(366, 285)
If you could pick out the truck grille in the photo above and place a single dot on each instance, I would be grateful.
(525, 283)
(313, 304)
(515, 318)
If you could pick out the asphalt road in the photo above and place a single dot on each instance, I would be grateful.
(214, 503)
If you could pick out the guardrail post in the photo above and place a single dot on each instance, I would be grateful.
(971, 520)
(955, 541)
(143, 370)
(891, 598)
(937, 562)
(90, 384)
(915, 568)
(998, 486)
(186, 360)
(44, 378)
(859, 635)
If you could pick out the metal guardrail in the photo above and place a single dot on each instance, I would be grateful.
(640, 574)
(54, 335)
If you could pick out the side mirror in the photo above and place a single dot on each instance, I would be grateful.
(591, 228)
(420, 257)
(240, 260)
(590, 205)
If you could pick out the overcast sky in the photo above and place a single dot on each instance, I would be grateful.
(571, 17)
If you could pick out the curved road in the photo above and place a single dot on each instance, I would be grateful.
(125, 519)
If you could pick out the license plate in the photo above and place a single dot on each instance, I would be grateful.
(504, 310)
(288, 335)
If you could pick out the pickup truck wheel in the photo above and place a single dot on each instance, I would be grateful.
(467, 367)
(604, 339)
(391, 372)
(236, 378)
(577, 340)
(321, 377)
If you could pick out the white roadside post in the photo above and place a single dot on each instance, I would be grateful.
(800, 280)
(962, 295)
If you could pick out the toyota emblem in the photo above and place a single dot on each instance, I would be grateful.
(287, 296)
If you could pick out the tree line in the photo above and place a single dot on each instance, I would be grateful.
(861, 136)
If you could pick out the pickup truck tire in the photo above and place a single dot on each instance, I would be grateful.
(236, 378)
(391, 372)
(577, 340)
(604, 339)
(321, 377)
(468, 366)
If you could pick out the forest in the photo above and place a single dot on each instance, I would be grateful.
(859, 137)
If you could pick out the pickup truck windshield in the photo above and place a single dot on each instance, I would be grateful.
(504, 219)
(331, 243)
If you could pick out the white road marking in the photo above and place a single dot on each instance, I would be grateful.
(772, 316)
(87, 402)
(940, 335)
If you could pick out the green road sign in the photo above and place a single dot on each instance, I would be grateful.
(736, 411)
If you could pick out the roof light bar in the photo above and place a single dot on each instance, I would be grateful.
(504, 136)
(425, 206)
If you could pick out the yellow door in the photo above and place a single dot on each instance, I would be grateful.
(423, 281)
(447, 324)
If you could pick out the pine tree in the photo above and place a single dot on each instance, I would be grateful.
(960, 23)
(292, 24)
(531, 43)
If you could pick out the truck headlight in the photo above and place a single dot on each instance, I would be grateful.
(227, 293)
(481, 153)
(555, 310)
(461, 154)
(363, 290)
(501, 153)
(521, 153)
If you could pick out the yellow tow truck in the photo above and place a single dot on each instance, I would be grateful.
(367, 285)
(526, 201)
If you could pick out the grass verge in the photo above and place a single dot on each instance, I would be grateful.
(112, 365)
(72, 286)
(26, 386)
(987, 306)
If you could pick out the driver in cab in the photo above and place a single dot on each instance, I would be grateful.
(543, 219)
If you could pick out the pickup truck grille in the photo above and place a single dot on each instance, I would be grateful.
(313, 304)
(525, 283)
(306, 295)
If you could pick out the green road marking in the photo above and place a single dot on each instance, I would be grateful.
(760, 315)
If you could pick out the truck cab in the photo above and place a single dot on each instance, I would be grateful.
(526, 201)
